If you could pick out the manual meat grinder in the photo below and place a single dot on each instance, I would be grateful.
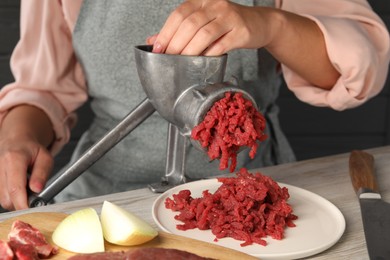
(181, 89)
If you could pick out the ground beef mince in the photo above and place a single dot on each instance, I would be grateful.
(231, 123)
(248, 207)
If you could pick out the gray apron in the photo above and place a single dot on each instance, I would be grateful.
(104, 37)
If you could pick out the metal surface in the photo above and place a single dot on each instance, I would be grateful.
(176, 161)
(165, 78)
(375, 212)
(128, 124)
(376, 221)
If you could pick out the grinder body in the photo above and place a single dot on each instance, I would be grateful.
(181, 89)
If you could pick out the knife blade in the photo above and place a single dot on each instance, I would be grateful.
(375, 212)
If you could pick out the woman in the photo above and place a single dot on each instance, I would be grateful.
(331, 53)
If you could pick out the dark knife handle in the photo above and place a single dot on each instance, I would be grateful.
(361, 171)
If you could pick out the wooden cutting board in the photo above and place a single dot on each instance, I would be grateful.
(46, 222)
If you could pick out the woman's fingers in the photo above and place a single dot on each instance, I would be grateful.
(205, 37)
(5, 200)
(16, 181)
(210, 27)
(16, 161)
(171, 25)
(192, 27)
(151, 39)
(40, 170)
(223, 45)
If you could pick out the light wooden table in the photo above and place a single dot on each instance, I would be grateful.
(326, 176)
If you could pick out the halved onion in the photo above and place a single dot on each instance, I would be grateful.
(80, 232)
(121, 227)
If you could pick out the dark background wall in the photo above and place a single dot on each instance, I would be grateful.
(312, 131)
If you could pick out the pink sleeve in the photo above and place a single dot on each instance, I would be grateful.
(46, 72)
(357, 43)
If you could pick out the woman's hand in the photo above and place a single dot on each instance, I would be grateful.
(23, 139)
(213, 27)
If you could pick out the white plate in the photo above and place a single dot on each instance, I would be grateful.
(319, 226)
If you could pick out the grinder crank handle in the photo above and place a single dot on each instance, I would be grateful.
(95, 152)
(361, 171)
